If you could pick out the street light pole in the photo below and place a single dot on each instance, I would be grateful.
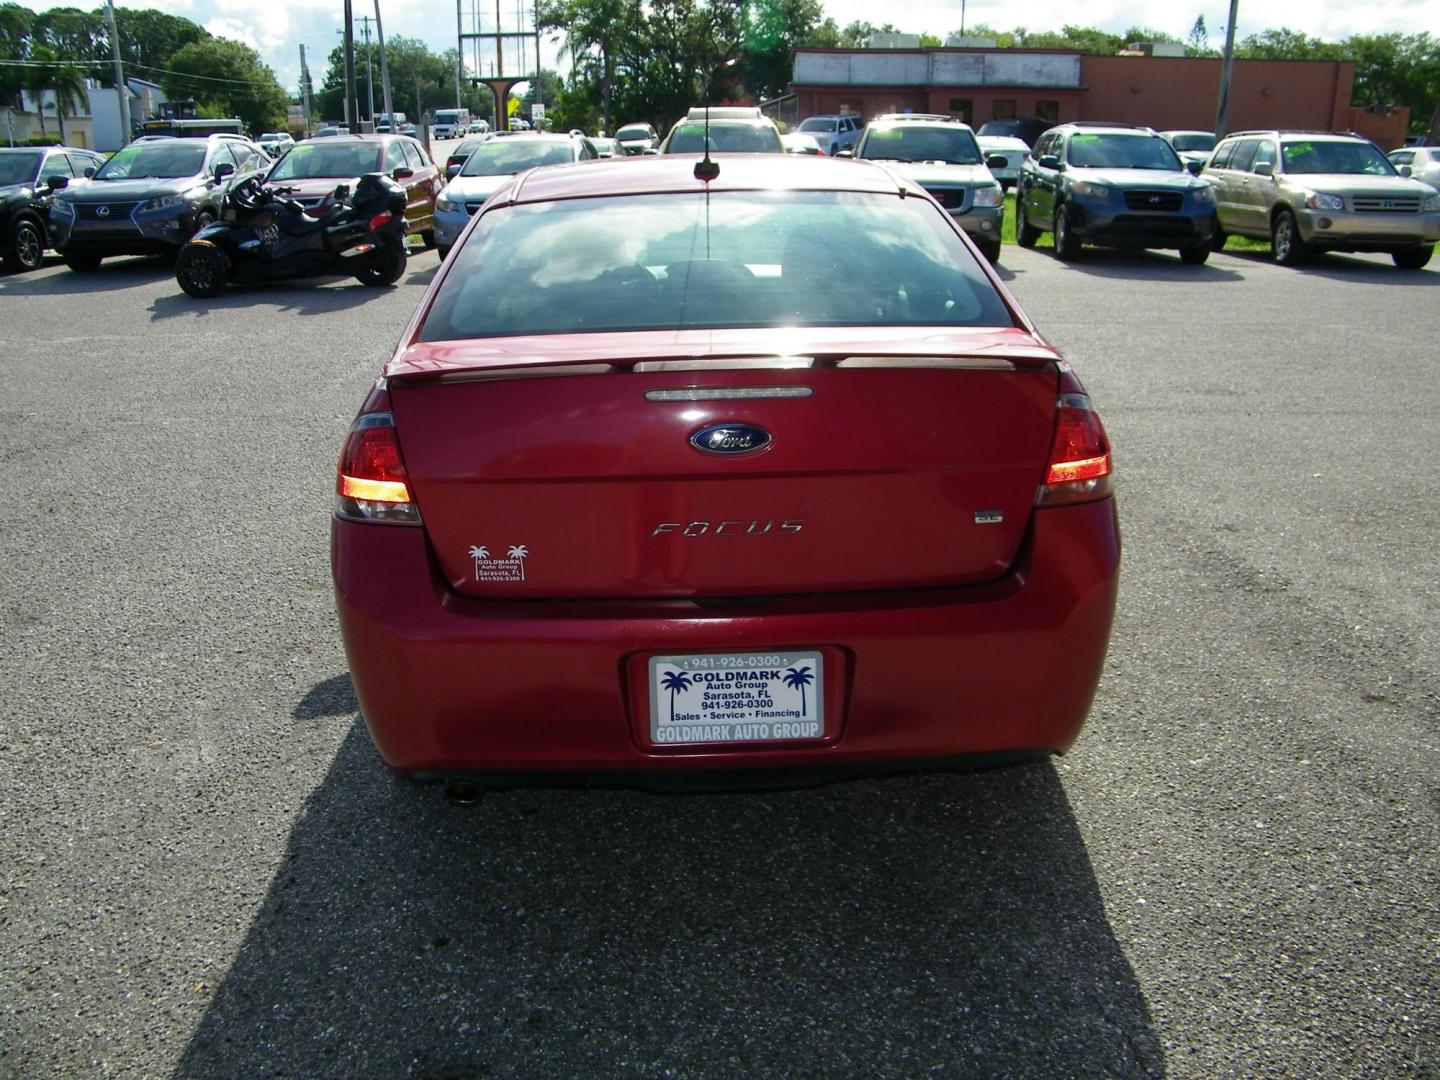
(1222, 110)
(119, 75)
(384, 71)
(352, 106)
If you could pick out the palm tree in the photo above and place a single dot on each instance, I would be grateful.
(47, 74)
(519, 552)
(674, 681)
(798, 679)
(479, 552)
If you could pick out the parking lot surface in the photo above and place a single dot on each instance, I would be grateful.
(205, 871)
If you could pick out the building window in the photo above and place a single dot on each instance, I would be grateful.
(962, 109)
(1049, 111)
(1004, 110)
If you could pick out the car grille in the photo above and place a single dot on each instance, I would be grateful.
(951, 198)
(472, 207)
(1166, 201)
(1377, 204)
(113, 211)
(1158, 228)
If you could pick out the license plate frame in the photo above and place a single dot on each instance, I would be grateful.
(759, 697)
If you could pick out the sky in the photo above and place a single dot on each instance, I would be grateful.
(276, 28)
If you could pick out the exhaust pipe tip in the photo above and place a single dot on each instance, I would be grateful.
(462, 791)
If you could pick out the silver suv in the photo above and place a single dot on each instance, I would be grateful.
(942, 156)
(1307, 191)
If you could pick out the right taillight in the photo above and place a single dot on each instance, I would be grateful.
(370, 484)
(1079, 468)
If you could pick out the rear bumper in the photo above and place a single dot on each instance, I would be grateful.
(452, 685)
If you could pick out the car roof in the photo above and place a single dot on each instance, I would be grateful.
(676, 173)
(918, 121)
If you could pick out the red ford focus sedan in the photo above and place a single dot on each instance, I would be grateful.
(759, 475)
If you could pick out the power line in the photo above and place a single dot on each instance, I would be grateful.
(135, 66)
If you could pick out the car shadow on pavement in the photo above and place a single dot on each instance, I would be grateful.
(113, 274)
(1147, 266)
(941, 923)
(1340, 267)
(310, 296)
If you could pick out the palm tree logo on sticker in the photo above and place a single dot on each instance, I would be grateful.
(798, 679)
(479, 554)
(675, 682)
(519, 552)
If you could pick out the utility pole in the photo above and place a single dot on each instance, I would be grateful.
(305, 87)
(459, 59)
(1222, 111)
(120, 93)
(384, 71)
(369, 67)
(352, 107)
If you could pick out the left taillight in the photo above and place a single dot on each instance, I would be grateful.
(370, 484)
(381, 219)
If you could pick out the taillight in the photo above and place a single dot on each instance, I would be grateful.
(371, 483)
(1079, 469)
(383, 218)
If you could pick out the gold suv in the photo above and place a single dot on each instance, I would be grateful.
(1307, 191)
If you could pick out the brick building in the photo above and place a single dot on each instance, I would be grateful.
(1162, 92)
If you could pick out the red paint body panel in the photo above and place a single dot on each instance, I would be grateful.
(872, 482)
(448, 683)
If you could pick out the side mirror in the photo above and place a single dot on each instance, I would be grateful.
(1405, 170)
(452, 171)
(89, 171)
(1048, 161)
(55, 183)
(223, 170)
(402, 173)
(995, 161)
(1265, 168)
(1193, 167)
(844, 153)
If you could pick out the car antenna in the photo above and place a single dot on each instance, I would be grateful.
(706, 168)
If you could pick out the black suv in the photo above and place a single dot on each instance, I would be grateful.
(24, 190)
(150, 197)
(1112, 185)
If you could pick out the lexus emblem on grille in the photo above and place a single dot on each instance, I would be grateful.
(103, 211)
(730, 439)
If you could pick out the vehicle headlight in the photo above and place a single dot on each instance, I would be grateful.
(1087, 190)
(989, 196)
(1432, 204)
(1203, 194)
(164, 202)
(449, 204)
(1320, 201)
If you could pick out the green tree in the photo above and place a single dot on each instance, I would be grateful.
(771, 30)
(47, 74)
(600, 36)
(17, 26)
(228, 79)
(1198, 43)
(1287, 44)
(148, 39)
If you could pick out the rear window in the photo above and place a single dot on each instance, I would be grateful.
(1193, 143)
(733, 259)
(310, 160)
(727, 138)
(907, 142)
(505, 157)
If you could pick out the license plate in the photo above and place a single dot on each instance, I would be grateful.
(736, 697)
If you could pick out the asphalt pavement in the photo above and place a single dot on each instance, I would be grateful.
(206, 872)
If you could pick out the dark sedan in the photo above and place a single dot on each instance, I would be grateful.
(25, 173)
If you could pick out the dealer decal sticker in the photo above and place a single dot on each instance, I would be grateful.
(496, 570)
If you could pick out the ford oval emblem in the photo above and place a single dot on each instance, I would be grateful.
(731, 439)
